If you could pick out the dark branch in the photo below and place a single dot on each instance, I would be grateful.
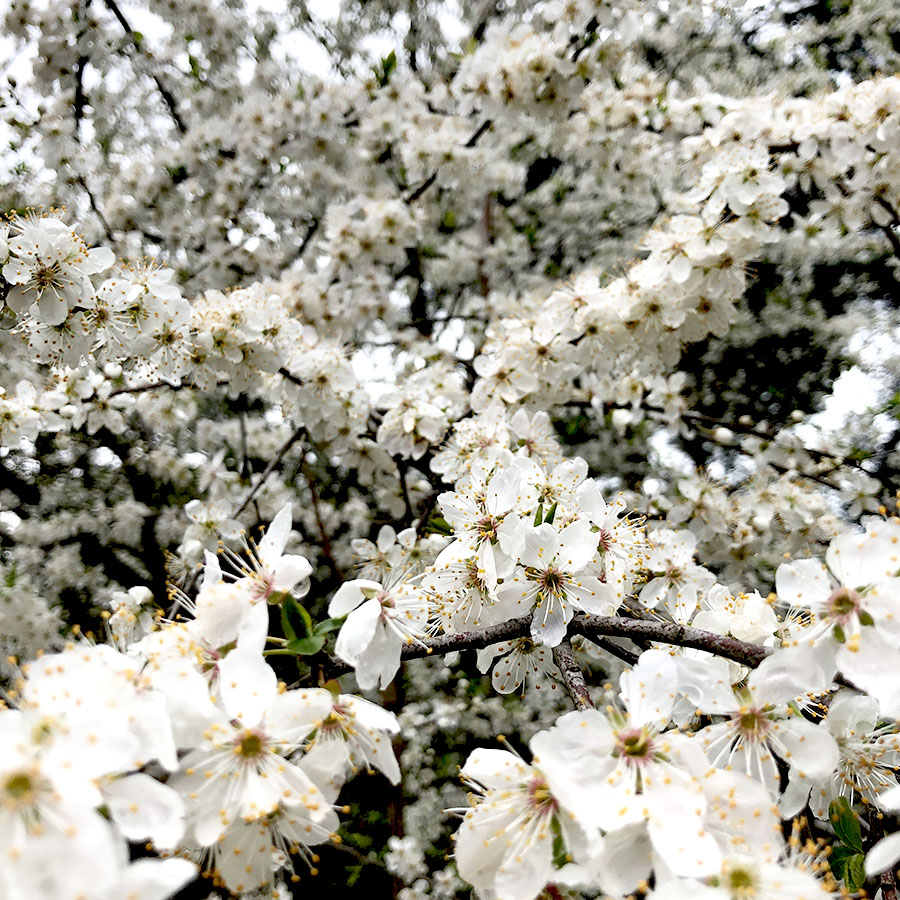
(164, 92)
(269, 469)
(572, 676)
(589, 626)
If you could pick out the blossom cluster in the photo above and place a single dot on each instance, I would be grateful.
(178, 733)
(377, 302)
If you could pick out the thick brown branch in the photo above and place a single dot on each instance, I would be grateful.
(572, 676)
(589, 626)
(671, 633)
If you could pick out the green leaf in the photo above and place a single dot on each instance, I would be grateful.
(448, 222)
(328, 625)
(839, 635)
(837, 859)
(560, 854)
(286, 626)
(307, 646)
(437, 523)
(865, 618)
(539, 514)
(384, 71)
(550, 515)
(295, 620)
(855, 872)
(845, 823)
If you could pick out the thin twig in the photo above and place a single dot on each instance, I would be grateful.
(95, 208)
(269, 469)
(327, 552)
(404, 487)
(430, 180)
(164, 92)
(572, 676)
(614, 649)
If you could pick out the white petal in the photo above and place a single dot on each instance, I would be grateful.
(811, 750)
(145, 809)
(272, 543)
(805, 582)
(649, 689)
(883, 855)
(247, 686)
(358, 631)
(349, 595)
(787, 674)
(706, 682)
(577, 546)
(370, 715)
(495, 768)
(541, 546)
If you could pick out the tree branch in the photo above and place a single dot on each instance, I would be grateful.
(572, 676)
(613, 626)
(671, 633)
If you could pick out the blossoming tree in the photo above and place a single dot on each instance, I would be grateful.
(470, 357)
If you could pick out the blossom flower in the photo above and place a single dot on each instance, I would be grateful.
(49, 269)
(634, 778)
(241, 768)
(759, 724)
(380, 621)
(520, 661)
(677, 580)
(517, 833)
(854, 598)
(354, 735)
(552, 578)
(868, 763)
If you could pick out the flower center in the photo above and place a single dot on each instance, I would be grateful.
(540, 800)
(551, 581)
(46, 276)
(634, 744)
(486, 527)
(741, 884)
(19, 789)
(842, 603)
(752, 723)
(250, 745)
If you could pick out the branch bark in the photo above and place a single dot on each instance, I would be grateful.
(572, 676)
(589, 626)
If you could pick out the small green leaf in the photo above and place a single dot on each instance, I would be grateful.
(295, 620)
(839, 635)
(560, 854)
(539, 514)
(865, 618)
(855, 872)
(439, 524)
(837, 859)
(384, 71)
(551, 515)
(328, 625)
(448, 222)
(845, 823)
(286, 626)
(307, 646)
